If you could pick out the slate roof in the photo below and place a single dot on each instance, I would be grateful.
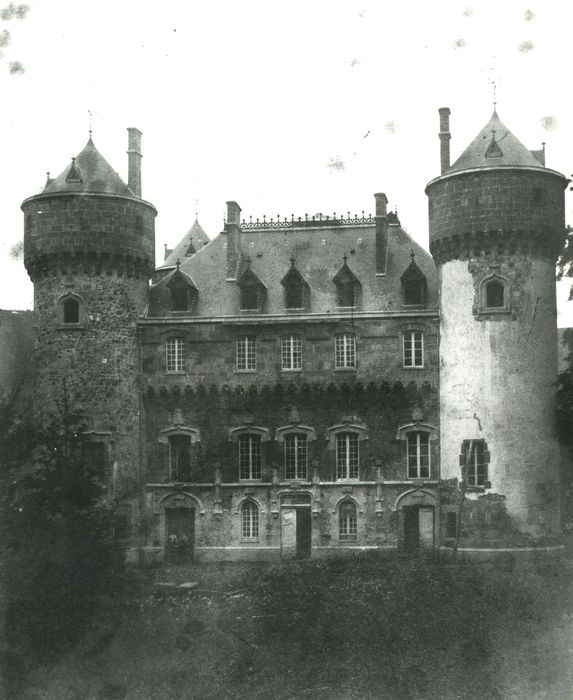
(88, 172)
(319, 255)
(191, 242)
(495, 146)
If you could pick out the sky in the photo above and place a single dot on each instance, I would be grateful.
(294, 107)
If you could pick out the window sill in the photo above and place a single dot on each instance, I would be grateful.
(251, 481)
(353, 480)
(345, 369)
(245, 371)
(71, 326)
(179, 372)
(284, 369)
(495, 310)
(413, 367)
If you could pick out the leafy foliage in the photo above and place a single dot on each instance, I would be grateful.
(62, 559)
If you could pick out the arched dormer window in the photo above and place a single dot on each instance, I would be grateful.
(414, 285)
(252, 290)
(296, 289)
(71, 312)
(348, 288)
(182, 290)
(494, 295)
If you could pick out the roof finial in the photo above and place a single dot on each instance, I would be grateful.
(345, 258)
(292, 261)
(412, 254)
(196, 208)
(178, 263)
(90, 130)
(494, 95)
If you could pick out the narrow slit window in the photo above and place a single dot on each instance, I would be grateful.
(71, 311)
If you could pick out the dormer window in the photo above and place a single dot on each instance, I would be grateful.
(253, 291)
(348, 287)
(183, 291)
(414, 286)
(296, 289)
(494, 295)
(71, 311)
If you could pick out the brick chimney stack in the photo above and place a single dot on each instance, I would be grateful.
(233, 232)
(381, 232)
(445, 137)
(134, 160)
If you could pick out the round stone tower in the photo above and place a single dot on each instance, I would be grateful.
(497, 224)
(89, 246)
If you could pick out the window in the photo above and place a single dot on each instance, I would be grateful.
(291, 352)
(249, 297)
(494, 294)
(138, 223)
(250, 521)
(294, 298)
(347, 459)
(94, 459)
(474, 461)
(418, 446)
(345, 351)
(179, 299)
(347, 521)
(413, 349)
(246, 360)
(295, 456)
(71, 309)
(346, 293)
(414, 292)
(174, 355)
(249, 457)
(179, 458)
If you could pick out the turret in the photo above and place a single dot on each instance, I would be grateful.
(89, 245)
(496, 226)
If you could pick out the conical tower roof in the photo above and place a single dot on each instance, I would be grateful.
(191, 242)
(494, 147)
(88, 172)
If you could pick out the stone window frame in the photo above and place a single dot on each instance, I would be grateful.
(235, 435)
(480, 482)
(294, 280)
(246, 356)
(409, 354)
(175, 364)
(345, 358)
(347, 536)
(165, 435)
(252, 532)
(82, 315)
(346, 428)
(483, 307)
(281, 435)
(289, 351)
(404, 431)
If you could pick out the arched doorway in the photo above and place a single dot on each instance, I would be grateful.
(417, 520)
(179, 526)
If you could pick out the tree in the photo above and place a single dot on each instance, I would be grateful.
(61, 557)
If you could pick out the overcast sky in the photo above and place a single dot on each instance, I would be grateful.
(291, 107)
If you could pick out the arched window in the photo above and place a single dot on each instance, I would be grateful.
(347, 287)
(347, 456)
(71, 310)
(252, 291)
(347, 521)
(494, 294)
(414, 285)
(250, 520)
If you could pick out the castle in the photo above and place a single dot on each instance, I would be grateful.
(311, 386)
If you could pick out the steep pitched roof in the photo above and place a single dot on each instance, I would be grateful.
(191, 242)
(88, 172)
(495, 146)
(318, 252)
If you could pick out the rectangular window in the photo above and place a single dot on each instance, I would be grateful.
(249, 457)
(347, 524)
(295, 456)
(474, 460)
(413, 349)
(246, 354)
(418, 455)
(250, 521)
(174, 355)
(249, 297)
(345, 351)
(179, 458)
(291, 352)
(347, 457)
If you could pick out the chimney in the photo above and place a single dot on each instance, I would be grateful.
(233, 233)
(445, 137)
(381, 233)
(134, 160)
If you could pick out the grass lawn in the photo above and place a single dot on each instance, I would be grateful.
(366, 627)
